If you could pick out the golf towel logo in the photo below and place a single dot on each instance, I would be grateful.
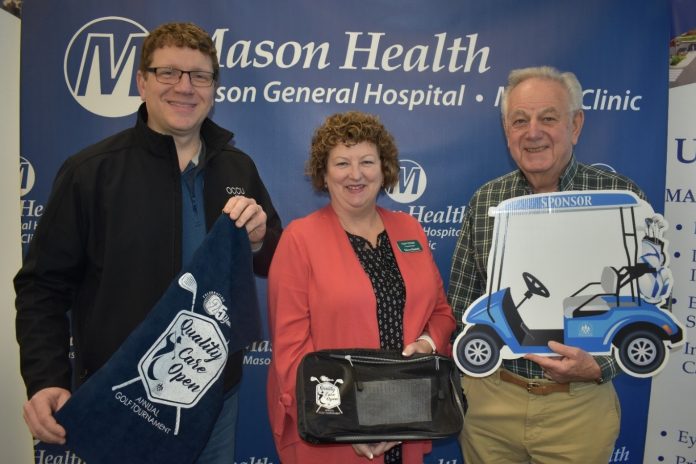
(186, 359)
(214, 304)
(328, 395)
(156, 400)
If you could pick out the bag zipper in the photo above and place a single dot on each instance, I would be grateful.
(376, 360)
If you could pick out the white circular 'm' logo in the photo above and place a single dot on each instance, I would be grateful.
(27, 176)
(100, 65)
(604, 167)
(411, 184)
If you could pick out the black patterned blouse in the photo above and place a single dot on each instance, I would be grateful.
(380, 265)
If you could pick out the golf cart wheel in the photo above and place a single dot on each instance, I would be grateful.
(477, 352)
(641, 352)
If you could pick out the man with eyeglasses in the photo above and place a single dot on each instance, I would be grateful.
(124, 216)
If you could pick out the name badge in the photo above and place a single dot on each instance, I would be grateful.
(409, 246)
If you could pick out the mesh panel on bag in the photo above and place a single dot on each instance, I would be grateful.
(394, 402)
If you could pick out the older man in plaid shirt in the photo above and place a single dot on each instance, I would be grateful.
(535, 409)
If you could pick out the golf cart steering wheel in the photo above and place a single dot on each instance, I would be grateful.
(534, 285)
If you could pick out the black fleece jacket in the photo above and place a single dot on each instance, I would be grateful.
(109, 244)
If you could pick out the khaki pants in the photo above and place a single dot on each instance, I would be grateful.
(507, 425)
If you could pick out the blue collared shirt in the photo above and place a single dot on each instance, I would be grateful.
(192, 207)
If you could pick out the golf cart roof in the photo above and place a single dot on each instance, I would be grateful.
(566, 201)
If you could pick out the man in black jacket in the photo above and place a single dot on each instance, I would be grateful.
(124, 216)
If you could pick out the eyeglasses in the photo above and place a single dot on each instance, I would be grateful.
(168, 75)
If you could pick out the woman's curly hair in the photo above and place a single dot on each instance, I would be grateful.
(351, 128)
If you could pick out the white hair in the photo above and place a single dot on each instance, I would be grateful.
(566, 79)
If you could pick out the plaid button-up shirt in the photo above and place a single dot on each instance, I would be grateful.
(470, 259)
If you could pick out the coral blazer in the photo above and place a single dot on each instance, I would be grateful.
(319, 297)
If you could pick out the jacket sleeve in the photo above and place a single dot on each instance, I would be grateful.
(441, 323)
(234, 167)
(45, 287)
(262, 258)
(290, 332)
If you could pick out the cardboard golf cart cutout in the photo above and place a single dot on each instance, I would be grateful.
(588, 269)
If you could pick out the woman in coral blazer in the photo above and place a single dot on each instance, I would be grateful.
(350, 275)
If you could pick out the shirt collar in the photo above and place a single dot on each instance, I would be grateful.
(198, 161)
(565, 182)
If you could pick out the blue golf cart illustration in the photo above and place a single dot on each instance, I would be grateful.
(584, 268)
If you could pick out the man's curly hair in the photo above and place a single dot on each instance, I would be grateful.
(351, 128)
(183, 35)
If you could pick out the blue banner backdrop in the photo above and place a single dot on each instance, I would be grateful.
(671, 431)
(433, 71)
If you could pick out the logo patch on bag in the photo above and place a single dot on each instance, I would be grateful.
(328, 395)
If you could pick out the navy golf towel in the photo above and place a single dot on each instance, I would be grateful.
(156, 400)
